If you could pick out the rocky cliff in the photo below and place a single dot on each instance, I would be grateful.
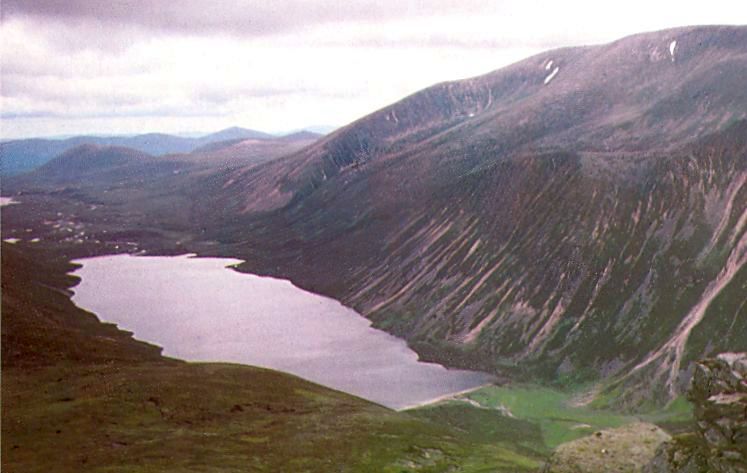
(719, 394)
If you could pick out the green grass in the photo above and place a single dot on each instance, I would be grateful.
(676, 417)
(550, 409)
(555, 416)
(223, 418)
(623, 449)
(489, 428)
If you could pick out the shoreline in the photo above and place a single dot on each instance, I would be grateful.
(445, 397)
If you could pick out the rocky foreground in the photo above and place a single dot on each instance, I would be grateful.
(719, 394)
(624, 449)
(719, 445)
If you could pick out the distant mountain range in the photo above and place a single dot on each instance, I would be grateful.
(19, 156)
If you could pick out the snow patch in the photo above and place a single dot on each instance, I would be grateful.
(552, 75)
(35, 240)
(672, 47)
(548, 65)
(12, 240)
(7, 201)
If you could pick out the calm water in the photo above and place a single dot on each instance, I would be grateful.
(198, 309)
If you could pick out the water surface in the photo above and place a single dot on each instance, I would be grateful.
(198, 309)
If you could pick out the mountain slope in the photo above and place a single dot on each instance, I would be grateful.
(248, 152)
(576, 223)
(622, 97)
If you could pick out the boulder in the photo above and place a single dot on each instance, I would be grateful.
(624, 449)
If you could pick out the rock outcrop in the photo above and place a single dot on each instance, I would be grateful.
(719, 395)
(625, 449)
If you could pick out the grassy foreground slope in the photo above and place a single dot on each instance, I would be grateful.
(79, 395)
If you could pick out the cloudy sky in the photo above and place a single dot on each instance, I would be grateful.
(131, 66)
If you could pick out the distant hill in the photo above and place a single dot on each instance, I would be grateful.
(86, 158)
(301, 136)
(248, 152)
(235, 133)
(20, 156)
(88, 161)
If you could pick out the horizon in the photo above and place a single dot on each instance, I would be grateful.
(318, 129)
(88, 69)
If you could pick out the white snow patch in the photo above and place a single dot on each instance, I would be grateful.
(12, 240)
(7, 201)
(672, 47)
(548, 65)
(729, 357)
(35, 240)
(552, 75)
(471, 115)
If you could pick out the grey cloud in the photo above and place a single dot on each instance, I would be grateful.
(152, 111)
(242, 18)
(222, 95)
(445, 41)
(64, 92)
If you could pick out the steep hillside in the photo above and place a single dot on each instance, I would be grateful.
(648, 92)
(576, 215)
